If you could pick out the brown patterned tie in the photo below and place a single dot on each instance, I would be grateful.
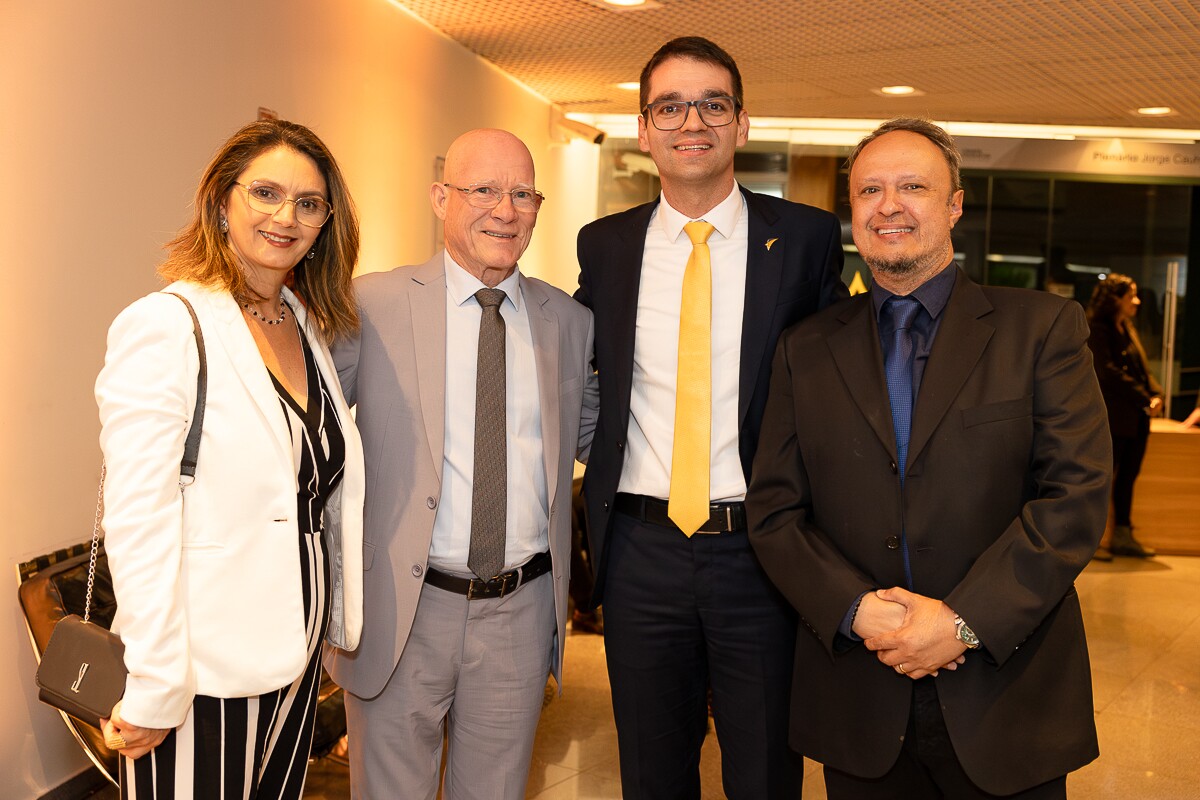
(489, 491)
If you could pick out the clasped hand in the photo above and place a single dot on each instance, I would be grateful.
(909, 630)
(138, 741)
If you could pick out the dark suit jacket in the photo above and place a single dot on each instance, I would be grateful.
(793, 268)
(1004, 502)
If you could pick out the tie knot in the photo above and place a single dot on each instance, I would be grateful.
(490, 298)
(698, 231)
(902, 310)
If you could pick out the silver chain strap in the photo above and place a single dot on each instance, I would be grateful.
(87, 604)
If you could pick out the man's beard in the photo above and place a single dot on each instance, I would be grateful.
(904, 265)
(897, 266)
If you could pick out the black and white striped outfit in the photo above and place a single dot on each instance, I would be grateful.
(257, 747)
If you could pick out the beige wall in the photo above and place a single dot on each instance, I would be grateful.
(108, 112)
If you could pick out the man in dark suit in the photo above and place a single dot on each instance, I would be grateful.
(932, 476)
(685, 329)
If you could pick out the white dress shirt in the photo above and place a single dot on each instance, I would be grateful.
(647, 468)
(528, 515)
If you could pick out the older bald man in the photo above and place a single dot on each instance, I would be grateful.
(469, 380)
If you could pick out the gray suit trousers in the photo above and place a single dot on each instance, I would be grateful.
(475, 670)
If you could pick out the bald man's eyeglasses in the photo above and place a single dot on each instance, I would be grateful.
(482, 195)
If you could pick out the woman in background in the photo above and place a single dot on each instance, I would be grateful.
(226, 587)
(1193, 417)
(1130, 392)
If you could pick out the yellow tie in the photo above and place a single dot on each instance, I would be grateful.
(688, 503)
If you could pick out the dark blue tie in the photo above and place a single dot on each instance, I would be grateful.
(898, 365)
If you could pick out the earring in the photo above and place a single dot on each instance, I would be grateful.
(312, 253)
(224, 225)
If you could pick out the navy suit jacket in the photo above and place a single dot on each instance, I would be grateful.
(793, 268)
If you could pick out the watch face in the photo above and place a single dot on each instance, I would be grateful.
(965, 635)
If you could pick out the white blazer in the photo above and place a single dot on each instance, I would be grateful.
(207, 578)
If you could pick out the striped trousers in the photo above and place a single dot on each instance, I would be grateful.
(247, 748)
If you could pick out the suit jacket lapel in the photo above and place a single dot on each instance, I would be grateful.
(233, 335)
(764, 271)
(626, 270)
(543, 329)
(961, 340)
(428, 317)
(319, 350)
(859, 360)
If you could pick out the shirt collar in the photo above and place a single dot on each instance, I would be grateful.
(462, 285)
(933, 294)
(723, 216)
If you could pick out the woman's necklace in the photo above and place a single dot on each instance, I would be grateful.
(254, 313)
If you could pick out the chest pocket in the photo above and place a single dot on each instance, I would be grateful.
(1020, 408)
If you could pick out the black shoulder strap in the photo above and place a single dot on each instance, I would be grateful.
(191, 448)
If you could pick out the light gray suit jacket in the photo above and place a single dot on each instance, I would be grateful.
(395, 372)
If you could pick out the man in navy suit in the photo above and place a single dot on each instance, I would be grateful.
(687, 605)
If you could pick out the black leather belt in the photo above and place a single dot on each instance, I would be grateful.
(502, 584)
(722, 517)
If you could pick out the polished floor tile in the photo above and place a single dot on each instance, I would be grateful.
(1143, 625)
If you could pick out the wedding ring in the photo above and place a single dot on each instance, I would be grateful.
(900, 669)
(115, 741)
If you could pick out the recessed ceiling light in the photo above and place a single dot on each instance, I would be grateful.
(625, 5)
(1156, 111)
(897, 91)
(629, 86)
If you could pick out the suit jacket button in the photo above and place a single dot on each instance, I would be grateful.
(418, 570)
(430, 502)
(894, 468)
(892, 542)
(606, 505)
(620, 445)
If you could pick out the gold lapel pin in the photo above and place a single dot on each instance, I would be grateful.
(771, 242)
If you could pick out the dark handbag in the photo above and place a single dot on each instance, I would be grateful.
(53, 586)
(82, 670)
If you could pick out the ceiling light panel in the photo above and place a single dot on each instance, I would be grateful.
(1016, 61)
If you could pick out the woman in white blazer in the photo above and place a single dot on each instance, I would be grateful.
(226, 586)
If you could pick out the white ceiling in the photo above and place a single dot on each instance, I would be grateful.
(1059, 62)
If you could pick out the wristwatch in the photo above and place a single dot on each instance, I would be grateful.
(964, 634)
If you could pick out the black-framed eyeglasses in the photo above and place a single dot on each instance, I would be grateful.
(482, 195)
(670, 115)
(311, 211)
